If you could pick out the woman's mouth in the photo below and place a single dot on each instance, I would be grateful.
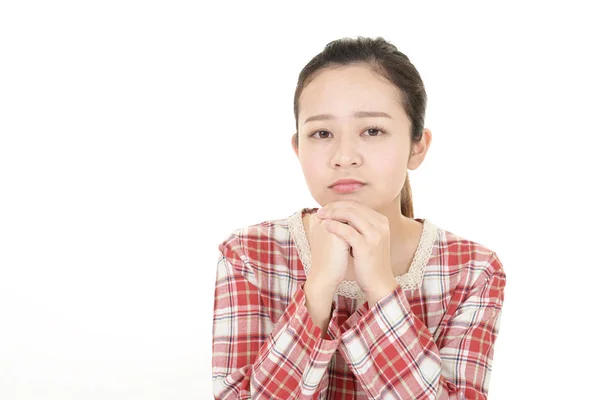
(347, 187)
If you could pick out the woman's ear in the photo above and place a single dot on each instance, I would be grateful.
(419, 150)
(295, 143)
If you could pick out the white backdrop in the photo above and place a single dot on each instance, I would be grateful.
(135, 136)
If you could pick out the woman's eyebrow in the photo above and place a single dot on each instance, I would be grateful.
(356, 114)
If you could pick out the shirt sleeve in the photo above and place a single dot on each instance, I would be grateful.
(254, 357)
(393, 354)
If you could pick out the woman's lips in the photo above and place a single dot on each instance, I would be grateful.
(347, 187)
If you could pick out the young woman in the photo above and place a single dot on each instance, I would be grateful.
(359, 300)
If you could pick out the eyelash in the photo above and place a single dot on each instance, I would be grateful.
(367, 129)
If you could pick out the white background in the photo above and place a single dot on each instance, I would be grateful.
(136, 135)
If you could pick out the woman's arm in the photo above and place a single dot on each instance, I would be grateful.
(254, 357)
(391, 351)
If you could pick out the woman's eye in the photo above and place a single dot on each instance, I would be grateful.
(376, 130)
(317, 132)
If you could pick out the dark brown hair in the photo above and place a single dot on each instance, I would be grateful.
(387, 61)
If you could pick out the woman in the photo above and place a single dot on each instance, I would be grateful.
(360, 299)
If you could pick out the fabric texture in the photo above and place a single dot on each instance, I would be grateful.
(431, 338)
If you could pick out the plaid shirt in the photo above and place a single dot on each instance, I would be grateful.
(432, 342)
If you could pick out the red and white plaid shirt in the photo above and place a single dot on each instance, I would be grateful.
(431, 338)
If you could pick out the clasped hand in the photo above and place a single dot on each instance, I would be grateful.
(367, 232)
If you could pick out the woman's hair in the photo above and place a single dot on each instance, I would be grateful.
(387, 61)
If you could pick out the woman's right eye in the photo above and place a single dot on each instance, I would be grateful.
(318, 132)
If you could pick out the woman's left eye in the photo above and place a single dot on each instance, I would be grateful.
(375, 128)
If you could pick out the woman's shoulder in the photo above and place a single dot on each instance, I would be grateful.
(467, 259)
(275, 229)
(258, 242)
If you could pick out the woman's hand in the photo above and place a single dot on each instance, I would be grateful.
(367, 232)
(329, 256)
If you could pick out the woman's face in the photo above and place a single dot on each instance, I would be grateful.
(343, 145)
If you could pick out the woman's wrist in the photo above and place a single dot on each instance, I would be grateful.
(319, 303)
(381, 292)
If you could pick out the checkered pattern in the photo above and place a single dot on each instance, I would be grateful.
(434, 342)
